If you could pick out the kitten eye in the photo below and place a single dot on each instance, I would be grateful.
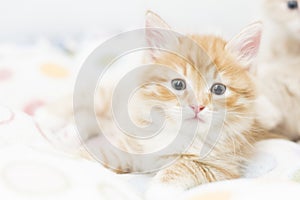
(178, 84)
(292, 4)
(218, 89)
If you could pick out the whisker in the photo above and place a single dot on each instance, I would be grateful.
(238, 134)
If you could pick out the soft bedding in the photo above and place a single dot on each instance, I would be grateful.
(39, 163)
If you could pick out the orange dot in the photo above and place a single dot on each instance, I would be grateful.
(54, 71)
(213, 196)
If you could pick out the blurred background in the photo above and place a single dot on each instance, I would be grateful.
(25, 20)
(44, 42)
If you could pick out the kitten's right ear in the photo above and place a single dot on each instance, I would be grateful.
(157, 34)
(245, 46)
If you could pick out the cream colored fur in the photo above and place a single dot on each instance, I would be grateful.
(278, 70)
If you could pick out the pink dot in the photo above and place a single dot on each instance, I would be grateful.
(31, 107)
(5, 74)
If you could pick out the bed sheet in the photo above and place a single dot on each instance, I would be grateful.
(41, 164)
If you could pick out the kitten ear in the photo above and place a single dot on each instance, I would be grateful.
(245, 46)
(155, 21)
(157, 34)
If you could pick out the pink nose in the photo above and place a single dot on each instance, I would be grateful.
(197, 109)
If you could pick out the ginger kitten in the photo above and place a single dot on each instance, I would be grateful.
(279, 66)
(206, 90)
(220, 83)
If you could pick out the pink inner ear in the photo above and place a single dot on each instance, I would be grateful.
(251, 47)
(154, 37)
(148, 24)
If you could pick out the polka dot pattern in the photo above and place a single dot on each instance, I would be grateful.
(29, 81)
(213, 196)
(48, 169)
(53, 70)
(5, 74)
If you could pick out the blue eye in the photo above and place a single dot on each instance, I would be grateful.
(292, 4)
(218, 89)
(178, 84)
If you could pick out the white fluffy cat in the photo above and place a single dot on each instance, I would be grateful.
(279, 66)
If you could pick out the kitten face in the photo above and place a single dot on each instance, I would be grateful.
(209, 85)
(202, 85)
(285, 13)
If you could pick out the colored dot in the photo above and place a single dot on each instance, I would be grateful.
(213, 196)
(54, 71)
(296, 176)
(5, 74)
(31, 107)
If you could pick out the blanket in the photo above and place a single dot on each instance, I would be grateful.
(36, 163)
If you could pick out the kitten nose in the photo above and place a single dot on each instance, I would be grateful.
(197, 109)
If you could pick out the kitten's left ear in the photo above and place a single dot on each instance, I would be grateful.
(155, 21)
(245, 46)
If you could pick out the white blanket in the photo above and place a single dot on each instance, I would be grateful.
(39, 164)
